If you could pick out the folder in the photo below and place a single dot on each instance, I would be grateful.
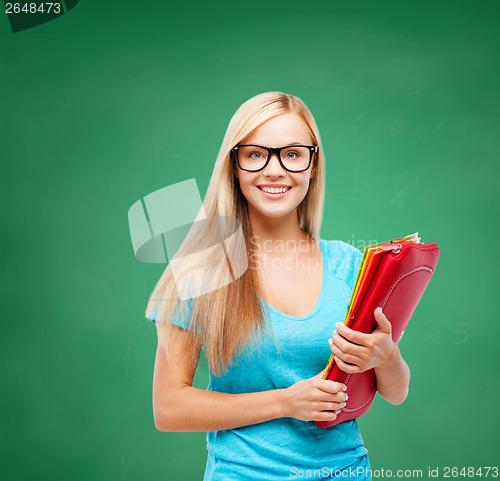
(392, 275)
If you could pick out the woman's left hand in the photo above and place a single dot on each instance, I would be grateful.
(357, 352)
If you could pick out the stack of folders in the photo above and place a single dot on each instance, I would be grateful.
(392, 275)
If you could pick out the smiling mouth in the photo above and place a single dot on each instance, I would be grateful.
(274, 190)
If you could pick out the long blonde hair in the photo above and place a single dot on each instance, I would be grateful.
(228, 315)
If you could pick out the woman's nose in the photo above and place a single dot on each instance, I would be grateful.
(274, 166)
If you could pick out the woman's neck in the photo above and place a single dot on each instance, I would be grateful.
(274, 229)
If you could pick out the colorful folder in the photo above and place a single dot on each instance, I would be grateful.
(392, 275)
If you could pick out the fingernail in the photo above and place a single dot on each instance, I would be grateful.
(346, 397)
(344, 389)
(337, 411)
(342, 405)
(330, 341)
(337, 324)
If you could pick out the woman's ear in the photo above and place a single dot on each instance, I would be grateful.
(313, 171)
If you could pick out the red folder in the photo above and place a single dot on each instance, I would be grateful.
(394, 279)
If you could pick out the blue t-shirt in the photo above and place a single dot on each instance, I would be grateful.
(288, 448)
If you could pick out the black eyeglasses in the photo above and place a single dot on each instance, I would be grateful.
(294, 158)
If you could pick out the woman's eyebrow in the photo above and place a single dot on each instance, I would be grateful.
(295, 142)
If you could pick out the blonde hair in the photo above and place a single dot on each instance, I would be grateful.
(224, 328)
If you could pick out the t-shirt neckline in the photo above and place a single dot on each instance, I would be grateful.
(321, 294)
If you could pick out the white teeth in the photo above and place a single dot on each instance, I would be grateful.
(277, 190)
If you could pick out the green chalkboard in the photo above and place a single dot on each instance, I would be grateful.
(109, 101)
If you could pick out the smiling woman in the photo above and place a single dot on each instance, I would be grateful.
(262, 170)
(266, 334)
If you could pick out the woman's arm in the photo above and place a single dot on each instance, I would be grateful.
(357, 352)
(178, 406)
(393, 378)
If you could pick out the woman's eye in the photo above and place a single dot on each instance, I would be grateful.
(255, 155)
(291, 155)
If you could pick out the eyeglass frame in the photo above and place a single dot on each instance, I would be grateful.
(313, 149)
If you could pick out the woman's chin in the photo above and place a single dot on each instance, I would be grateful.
(272, 213)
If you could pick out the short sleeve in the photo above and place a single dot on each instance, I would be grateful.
(351, 260)
(182, 317)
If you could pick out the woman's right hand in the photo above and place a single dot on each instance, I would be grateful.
(310, 399)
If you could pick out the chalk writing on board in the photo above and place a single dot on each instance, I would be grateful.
(406, 182)
(432, 328)
(352, 194)
(126, 360)
(127, 466)
(460, 333)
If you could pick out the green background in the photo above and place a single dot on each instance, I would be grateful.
(115, 100)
